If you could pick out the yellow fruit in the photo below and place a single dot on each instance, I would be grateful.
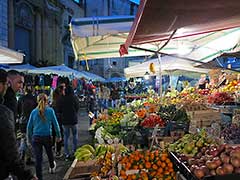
(152, 68)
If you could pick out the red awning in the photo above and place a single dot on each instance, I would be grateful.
(156, 20)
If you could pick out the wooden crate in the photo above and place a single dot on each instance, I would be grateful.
(195, 107)
(204, 118)
(80, 170)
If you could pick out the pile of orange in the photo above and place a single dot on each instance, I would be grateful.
(149, 165)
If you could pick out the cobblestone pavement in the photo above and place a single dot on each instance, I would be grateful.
(63, 165)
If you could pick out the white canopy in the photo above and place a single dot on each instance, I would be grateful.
(170, 65)
(60, 70)
(116, 79)
(100, 37)
(8, 56)
(22, 67)
(93, 77)
(66, 71)
(202, 47)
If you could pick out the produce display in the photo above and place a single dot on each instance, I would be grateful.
(88, 152)
(152, 120)
(231, 134)
(216, 160)
(171, 113)
(202, 154)
(220, 98)
(144, 165)
(191, 144)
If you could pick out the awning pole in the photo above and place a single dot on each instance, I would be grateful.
(166, 54)
(160, 75)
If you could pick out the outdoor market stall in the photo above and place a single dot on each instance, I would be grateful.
(66, 71)
(200, 155)
(160, 21)
(22, 67)
(100, 37)
(8, 56)
(169, 65)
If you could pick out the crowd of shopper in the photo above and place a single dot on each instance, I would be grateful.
(11, 163)
(42, 123)
(44, 120)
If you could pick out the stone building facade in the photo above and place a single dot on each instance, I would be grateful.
(3, 23)
(39, 29)
(109, 7)
(110, 67)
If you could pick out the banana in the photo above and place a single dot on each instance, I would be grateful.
(102, 151)
(89, 147)
(110, 148)
(84, 157)
(123, 149)
(98, 148)
(152, 68)
(82, 152)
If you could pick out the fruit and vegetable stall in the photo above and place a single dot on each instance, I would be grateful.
(178, 136)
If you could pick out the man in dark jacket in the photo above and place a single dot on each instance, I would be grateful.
(15, 80)
(9, 156)
(68, 107)
(26, 104)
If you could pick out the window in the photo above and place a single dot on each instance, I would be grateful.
(78, 1)
(69, 19)
(70, 61)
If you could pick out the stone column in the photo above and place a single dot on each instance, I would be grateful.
(38, 31)
(11, 28)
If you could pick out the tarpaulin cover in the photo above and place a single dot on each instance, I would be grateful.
(156, 20)
(169, 65)
(100, 37)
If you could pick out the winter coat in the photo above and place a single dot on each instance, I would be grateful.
(68, 107)
(10, 101)
(114, 94)
(104, 93)
(9, 156)
(27, 103)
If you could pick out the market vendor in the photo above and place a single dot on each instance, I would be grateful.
(203, 82)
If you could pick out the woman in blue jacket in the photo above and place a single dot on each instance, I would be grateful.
(39, 130)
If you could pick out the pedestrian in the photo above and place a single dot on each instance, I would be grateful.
(15, 84)
(9, 156)
(26, 104)
(92, 103)
(104, 95)
(57, 93)
(39, 130)
(68, 107)
(115, 97)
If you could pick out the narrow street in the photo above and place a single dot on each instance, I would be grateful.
(62, 164)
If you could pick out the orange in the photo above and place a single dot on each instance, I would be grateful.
(167, 160)
(148, 165)
(122, 172)
(160, 170)
(170, 165)
(154, 166)
(163, 164)
(159, 163)
(163, 158)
